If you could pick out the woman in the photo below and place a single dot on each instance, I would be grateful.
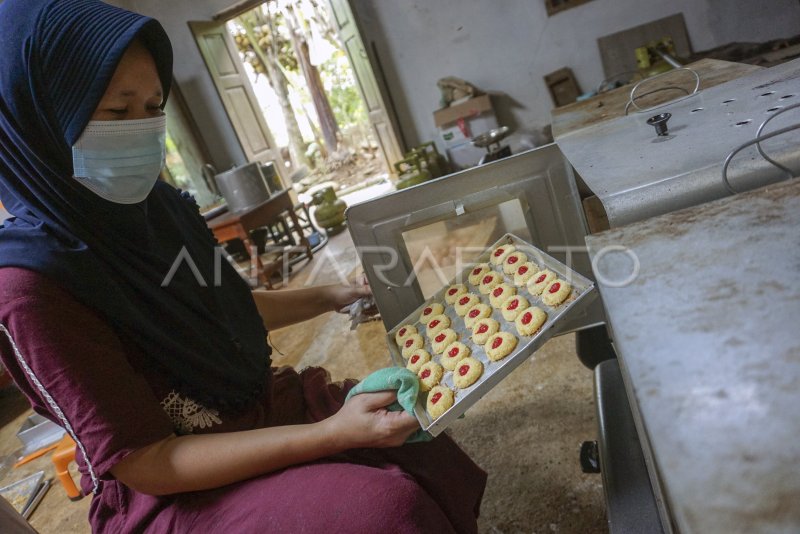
(164, 381)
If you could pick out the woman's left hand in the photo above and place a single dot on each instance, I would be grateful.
(341, 297)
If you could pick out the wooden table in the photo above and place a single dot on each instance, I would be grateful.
(238, 225)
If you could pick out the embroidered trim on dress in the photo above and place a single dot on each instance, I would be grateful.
(187, 414)
(53, 405)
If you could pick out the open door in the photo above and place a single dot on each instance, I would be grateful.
(374, 99)
(226, 68)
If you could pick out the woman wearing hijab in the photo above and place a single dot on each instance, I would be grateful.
(165, 383)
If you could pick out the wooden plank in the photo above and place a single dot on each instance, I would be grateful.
(611, 104)
(617, 50)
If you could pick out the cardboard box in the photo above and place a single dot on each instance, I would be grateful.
(456, 135)
(471, 108)
(464, 155)
(461, 122)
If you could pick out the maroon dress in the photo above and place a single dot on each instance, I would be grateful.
(76, 371)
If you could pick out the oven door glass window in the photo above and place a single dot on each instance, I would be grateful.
(440, 250)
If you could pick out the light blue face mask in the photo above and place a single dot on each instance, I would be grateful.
(120, 160)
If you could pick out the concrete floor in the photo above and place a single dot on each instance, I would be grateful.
(526, 433)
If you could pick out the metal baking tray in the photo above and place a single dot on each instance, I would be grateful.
(581, 296)
(25, 494)
(37, 432)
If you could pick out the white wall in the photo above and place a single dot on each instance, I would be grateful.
(501, 46)
(508, 46)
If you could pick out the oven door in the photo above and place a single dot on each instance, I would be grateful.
(413, 241)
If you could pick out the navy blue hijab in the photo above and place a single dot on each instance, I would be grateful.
(56, 60)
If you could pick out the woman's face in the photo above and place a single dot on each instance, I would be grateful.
(135, 90)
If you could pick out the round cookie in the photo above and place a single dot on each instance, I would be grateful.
(484, 328)
(500, 253)
(467, 372)
(465, 302)
(539, 281)
(429, 375)
(417, 359)
(513, 261)
(530, 321)
(436, 324)
(476, 313)
(452, 293)
(513, 306)
(490, 281)
(524, 273)
(410, 344)
(442, 339)
(440, 399)
(477, 273)
(500, 293)
(556, 292)
(500, 345)
(405, 331)
(453, 353)
(434, 308)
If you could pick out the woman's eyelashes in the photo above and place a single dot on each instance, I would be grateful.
(121, 113)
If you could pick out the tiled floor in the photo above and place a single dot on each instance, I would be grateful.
(526, 432)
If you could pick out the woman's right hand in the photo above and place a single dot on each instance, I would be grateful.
(364, 421)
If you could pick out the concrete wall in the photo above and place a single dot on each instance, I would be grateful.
(507, 46)
(503, 46)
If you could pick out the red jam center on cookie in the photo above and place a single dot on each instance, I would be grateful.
(453, 352)
(555, 287)
(402, 332)
(425, 374)
(513, 305)
(522, 270)
(527, 318)
(474, 313)
(497, 342)
(498, 252)
(512, 260)
(483, 328)
(464, 369)
(497, 292)
(440, 338)
(476, 271)
(426, 312)
(541, 279)
(487, 279)
(414, 358)
(433, 323)
(409, 343)
(463, 300)
(436, 397)
(452, 292)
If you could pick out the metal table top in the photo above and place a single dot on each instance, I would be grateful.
(637, 174)
(708, 338)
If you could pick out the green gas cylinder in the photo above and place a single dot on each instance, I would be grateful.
(411, 172)
(330, 210)
(431, 159)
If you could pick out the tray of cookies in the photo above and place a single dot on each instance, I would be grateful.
(473, 332)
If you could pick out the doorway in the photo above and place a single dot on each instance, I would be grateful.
(315, 101)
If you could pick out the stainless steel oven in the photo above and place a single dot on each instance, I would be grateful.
(413, 241)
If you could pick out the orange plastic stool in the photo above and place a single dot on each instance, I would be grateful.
(62, 457)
